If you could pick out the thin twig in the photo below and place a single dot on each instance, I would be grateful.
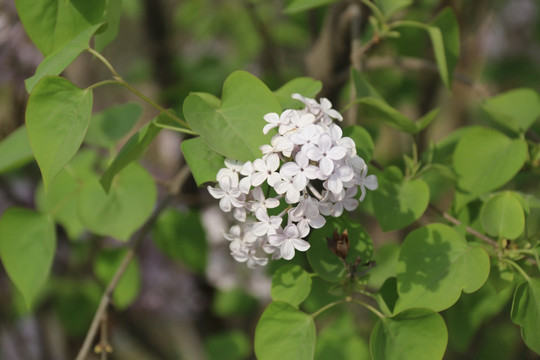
(135, 243)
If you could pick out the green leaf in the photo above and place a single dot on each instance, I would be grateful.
(399, 202)
(485, 159)
(516, 109)
(435, 264)
(230, 345)
(181, 236)
(27, 247)
(203, 162)
(381, 110)
(388, 296)
(124, 209)
(363, 141)
(341, 340)
(526, 312)
(502, 216)
(233, 302)
(284, 332)
(112, 15)
(15, 151)
(129, 286)
(109, 126)
(235, 129)
(52, 23)
(426, 120)
(57, 117)
(324, 262)
(386, 258)
(291, 284)
(362, 87)
(447, 53)
(390, 7)
(56, 62)
(304, 86)
(416, 334)
(131, 151)
(302, 5)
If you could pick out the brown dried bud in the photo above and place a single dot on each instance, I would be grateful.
(339, 244)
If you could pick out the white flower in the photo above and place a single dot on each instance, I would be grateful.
(326, 108)
(287, 187)
(298, 120)
(232, 169)
(267, 225)
(266, 170)
(306, 137)
(259, 201)
(288, 241)
(229, 195)
(311, 217)
(339, 176)
(300, 171)
(245, 183)
(326, 153)
(360, 175)
(334, 204)
(280, 144)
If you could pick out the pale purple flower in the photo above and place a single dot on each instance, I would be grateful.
(229, 196)
(259, 201)
(338, 177)
(275, 120)
(309, 218)
(288, 241)
(300, 171)
(232, 169)
(286, 186)
(326, 153)
(307, 137)
(334, 204)
(267, 225)
(266, 170)
(326, 108)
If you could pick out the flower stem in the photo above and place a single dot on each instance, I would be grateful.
(518, 268)
(348, 300)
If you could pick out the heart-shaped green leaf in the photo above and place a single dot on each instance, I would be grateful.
(27, 247)
(291, 284)
(284, 332)
(124, 209)
(304, 86)
(15, 150)
(416, 334)
(516, 109)
(235, 129)
(399, 202)
(526, 312)
(502, 216)
(203, 162)
(435, 264)
(57, 117)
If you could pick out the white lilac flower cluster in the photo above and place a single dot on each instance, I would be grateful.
(310, 170)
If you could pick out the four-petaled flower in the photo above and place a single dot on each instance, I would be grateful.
(288, 241)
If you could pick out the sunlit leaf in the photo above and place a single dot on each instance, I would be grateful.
(516, 109)
(502, 216)
(15, 150)
(203, 162)
(291, 284)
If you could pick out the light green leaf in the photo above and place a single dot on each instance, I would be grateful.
(124, 209)
(390, 7)
(386, 258)
(526, 312)
(112, 15)
(435, 264)
(284, 332)
(27, 247)
(398, 202)
(56, 62)
(447, 53)
(52, 23)
(502, 216)
(304, 86)
(181, 236)
(302, 5)
(381, 110)
(203, 162)
(15, 151)
(109, 126)
(416, 334)
(131, 151)
(291, 284)
(363, 141)
(324, 262)
(516, 109)
(57, 117)
(235, 129)
(485, 159)
(129, 286)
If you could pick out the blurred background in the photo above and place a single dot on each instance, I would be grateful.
(206, 306)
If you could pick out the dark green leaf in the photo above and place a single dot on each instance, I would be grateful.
(291, 284)
(448, 25)
(328, 265)
(15, 151)
(416, 334)
(203, 162)
(52, 23)
(132, 151)
(435, 264)
(386, 258)
(124, 209)
(230, 345)
(57, 117)
(233, 302)
(128, 288)
(390, 7)
(181, 236)
(284, 332)
(109, 126)
(27, 247)
(301, 5)
(381, 110)
(363, 141)
(56, 62)
(235, 129)
(399, 202)
(526, 312)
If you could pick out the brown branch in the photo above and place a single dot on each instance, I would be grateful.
(136, 241)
